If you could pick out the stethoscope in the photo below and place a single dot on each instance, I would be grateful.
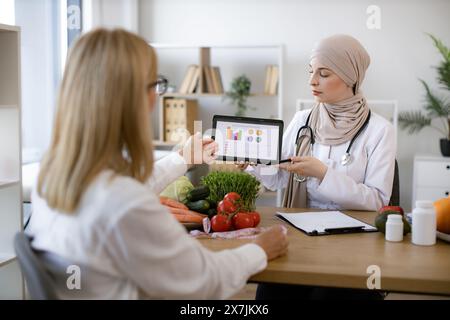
(346, 158)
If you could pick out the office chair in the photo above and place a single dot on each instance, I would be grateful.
(40, 284)
(49, 276)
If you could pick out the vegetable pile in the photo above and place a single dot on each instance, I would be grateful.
(226, 199)
(221, 183)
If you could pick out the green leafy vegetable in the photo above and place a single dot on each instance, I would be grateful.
(178, 189)
(221, 183)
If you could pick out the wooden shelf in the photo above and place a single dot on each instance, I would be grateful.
(6, 258)
(7, 184)
(207, 57)
(11, 215)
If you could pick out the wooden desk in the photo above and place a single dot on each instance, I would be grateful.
(342, 260)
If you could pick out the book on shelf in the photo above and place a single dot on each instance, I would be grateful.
(268, 79)
(193, 85)
(208, 79)
(273, 83)
(217, 80)
(213, 80)
(187, 79)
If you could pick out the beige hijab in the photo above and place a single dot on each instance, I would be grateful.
(338, 123)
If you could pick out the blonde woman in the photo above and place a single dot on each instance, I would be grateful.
(96, 201)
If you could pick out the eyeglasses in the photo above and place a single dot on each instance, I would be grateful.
(160, 85)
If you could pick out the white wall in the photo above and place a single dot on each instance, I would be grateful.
(39, 73)
(7, 12)
(400, 51)
(112, 13)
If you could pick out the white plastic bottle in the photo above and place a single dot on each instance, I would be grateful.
(394, 228)
(424, 224)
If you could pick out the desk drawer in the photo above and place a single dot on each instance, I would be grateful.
(433, 174)
(431, 194)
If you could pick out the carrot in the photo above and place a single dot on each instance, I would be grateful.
(172, 203)
(186, 212)
(188, 218)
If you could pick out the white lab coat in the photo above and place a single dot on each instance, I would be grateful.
(132, 247)
(364, 184)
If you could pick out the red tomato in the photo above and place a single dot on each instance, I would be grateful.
(226, 207)
(232, 196)
(243, 220)
(256, 218)
(220, 223)
(392, 208)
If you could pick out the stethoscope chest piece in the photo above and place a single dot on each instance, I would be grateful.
(299, 178)
(346, 159)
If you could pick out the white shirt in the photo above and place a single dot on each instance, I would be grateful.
(364, 184)
(133, 246)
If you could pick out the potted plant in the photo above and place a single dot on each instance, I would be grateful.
(437, 107)
(240, 91)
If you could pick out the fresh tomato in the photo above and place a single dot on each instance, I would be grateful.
(256, 218)
(220, 223)
(232, 197)
(226, 207)
(243, 220)
(392, 208)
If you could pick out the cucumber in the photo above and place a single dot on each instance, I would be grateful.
(199, 193)
(199, 206)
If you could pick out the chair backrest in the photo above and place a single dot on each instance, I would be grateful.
(40, 284)
(395, 195)
(386, 108)
(52, 277)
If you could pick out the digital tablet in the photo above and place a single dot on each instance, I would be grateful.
(248, 139)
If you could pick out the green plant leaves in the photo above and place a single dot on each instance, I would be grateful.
(445, 52)
(240, 90)
(444, 67)
(413, 120)
(436, 107)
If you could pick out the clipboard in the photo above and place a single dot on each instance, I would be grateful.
(325, 223)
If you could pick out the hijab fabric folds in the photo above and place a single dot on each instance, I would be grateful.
(333, 124)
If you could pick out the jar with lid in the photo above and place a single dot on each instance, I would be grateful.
(394, 228)
(424, 224)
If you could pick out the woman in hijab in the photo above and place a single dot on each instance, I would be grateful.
(317, 175)
(324, 172)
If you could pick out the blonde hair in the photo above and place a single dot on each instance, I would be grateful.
(102, 119)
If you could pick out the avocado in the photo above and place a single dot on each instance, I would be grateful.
(381, 219)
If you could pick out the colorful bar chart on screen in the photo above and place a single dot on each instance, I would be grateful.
(236, 135)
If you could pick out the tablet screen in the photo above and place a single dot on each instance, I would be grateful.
(248, 139)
